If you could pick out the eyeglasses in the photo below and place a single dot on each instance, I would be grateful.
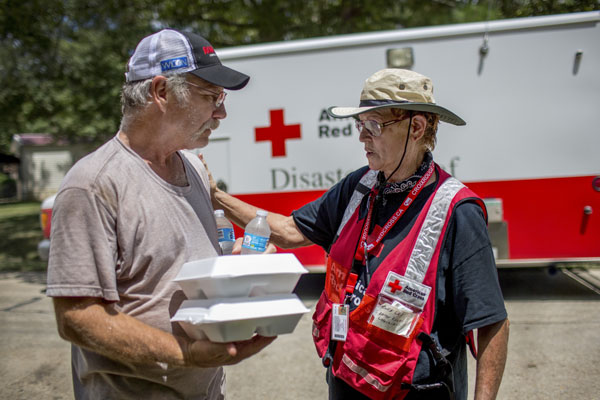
(220, 97)
(375, 128)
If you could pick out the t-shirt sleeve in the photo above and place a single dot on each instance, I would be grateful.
(83, 247)
(477, 297)
(319, 220)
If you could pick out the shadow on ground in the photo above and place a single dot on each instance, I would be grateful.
(542, 284)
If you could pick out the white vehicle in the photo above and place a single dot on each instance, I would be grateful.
(528, 88)
(45, 219)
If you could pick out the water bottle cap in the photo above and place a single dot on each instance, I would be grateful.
(262, 213)
(219, 213)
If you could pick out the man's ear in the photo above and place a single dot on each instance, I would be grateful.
(419, 124)
(158, 92)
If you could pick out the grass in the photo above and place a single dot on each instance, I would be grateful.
(20, 233)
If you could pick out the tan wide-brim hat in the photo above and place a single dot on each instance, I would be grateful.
(397, 88)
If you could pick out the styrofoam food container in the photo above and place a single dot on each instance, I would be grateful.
(240, 275)
(234, 319)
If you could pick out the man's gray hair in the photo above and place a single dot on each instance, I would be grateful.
(135, 96)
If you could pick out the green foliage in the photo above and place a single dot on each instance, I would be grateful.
(20, 231)
(62, 61)
(62, 64)
(8, 186)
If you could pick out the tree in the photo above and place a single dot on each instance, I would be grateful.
(62, 62)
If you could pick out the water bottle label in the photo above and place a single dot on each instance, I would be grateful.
(255, 242)
(226, 235)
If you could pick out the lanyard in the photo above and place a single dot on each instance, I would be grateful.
(365, 247)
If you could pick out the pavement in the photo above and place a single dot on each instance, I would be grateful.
(35, 360)
(554, 345)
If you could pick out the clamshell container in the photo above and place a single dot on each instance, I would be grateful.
(234, 319)
(240, 276)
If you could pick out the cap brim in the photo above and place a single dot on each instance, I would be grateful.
(445, 114)
(221, 75)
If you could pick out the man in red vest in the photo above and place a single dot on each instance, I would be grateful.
(410, 270)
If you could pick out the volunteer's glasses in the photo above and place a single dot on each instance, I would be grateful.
(375, 128)
(219, 97)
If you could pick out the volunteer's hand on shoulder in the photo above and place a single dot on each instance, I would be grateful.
(211, 181)
(284, 232)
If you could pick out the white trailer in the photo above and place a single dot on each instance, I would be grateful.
(528, 88)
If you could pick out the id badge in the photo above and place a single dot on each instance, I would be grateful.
(339, 322)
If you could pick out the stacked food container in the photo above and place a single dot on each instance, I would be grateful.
(233, 297)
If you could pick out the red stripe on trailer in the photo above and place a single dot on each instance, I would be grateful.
(546, 217)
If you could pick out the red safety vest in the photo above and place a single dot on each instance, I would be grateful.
(380, 352)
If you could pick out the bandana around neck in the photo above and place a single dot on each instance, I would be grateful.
(410, 182)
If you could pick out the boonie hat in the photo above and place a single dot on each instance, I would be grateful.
(397, 88)
(169, 52)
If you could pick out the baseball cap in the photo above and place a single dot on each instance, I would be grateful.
(170, 52)
(397, 88)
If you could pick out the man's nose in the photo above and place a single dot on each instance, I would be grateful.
(220, 112)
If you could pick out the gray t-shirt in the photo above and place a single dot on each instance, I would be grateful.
(121, 233)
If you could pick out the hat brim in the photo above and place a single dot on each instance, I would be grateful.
(221, 75)
(445, 114)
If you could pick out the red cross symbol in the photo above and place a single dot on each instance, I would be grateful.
(395, 285)
(277, 133)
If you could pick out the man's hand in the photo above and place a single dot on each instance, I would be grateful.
(237, 247)
(206, 354)
(96, 325)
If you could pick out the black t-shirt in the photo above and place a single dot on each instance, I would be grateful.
(468, 295)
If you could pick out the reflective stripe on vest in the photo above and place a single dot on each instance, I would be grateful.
(431, 230)
(370, 379)
(425, 245)
(365, 184)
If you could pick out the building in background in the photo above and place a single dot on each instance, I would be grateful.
(43, 163)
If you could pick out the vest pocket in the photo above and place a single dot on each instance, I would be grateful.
(321, 329)
(361, 322)
(369, 367)
(395, 317)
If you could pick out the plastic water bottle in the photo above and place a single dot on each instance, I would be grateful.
(225, 232)
(256, 236)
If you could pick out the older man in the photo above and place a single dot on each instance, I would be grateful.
(410, 270)
(128, 216)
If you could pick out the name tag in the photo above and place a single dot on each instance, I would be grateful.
(393, 317)
(339, 322)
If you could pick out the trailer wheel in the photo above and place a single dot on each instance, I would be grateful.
(553, 269)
